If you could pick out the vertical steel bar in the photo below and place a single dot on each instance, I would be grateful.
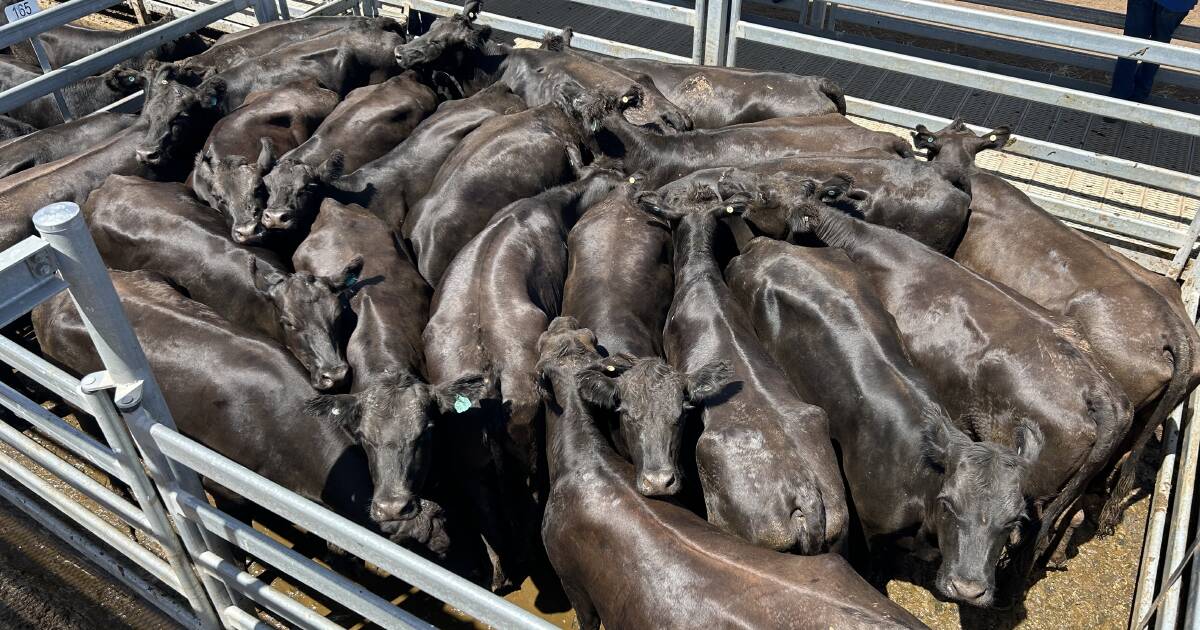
(121, 443)
(62, 226)
(1147, 584)
(44, 61)
(716, 21)
(816, 18)
(698, 26)
(265, 11)
(735, 16)
(1181, 512)
(285, 12)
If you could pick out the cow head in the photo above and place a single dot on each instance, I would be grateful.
(591, 107)
(179, 111)
(234, 186)
(980, 505)
(311, 311)
(295, 190)
(956, 143)
(393, 422)
(447, 44)
(652, 400)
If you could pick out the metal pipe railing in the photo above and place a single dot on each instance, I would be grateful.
(80, 444)
(56, 15)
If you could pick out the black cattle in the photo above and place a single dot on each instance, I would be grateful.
(83, 97)
(234, 48)
(718, 97)
(928, 202)
(60, 141)
(183, 102)
(1131, 328)
(390, 185)
(764, 458)
(668, 158)
(161, 227)
(11, 129)
(619, 285)
(458, 52)
(500, 293)
(367, 124)
(66, 44)
(914, 477)
(67, 179)
(505, 159)
(243, 146)
(391, 409)
(995, 359)
(248, 400)
(676, 571)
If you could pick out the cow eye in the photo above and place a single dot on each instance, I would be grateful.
(947, 505)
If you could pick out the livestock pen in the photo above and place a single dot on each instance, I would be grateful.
(1143, 203)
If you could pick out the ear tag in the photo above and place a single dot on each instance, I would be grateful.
(336, 411)
(351, 280)
(610, 368)
(471, 15)
(728, 209)
(632, 180)
(212, 101)
(461, 404)
(992, 137)
(165, 82)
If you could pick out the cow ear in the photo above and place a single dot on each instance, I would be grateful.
(835, 187)
(470, 10)
(332, 167)
(708, 380)
(341, 409)
(1028, 440)
(212, 92)
(940, 437)
(266, 156)
(265, 279)
(923, 138)
(651, 202)
(460, 394)
(597, 389)
(349, 274)
(996, 138)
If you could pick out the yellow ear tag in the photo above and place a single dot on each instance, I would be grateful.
(728, 209)
(610, 368)
(632, 180)
(624, 99)
(992, 137)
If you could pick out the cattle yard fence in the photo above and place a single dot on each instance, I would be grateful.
(198, 583)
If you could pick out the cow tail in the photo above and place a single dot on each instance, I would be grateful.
(835, 94)
(1110, 515)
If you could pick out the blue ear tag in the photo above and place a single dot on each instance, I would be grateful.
(461, 403)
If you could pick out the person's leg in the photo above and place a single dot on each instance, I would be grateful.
(1164, 24)
(1139, 16)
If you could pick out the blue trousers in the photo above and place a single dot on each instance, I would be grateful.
(1146, 19)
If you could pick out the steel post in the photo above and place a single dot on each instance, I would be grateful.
(715, 23)
(79, 263)
(735, 16)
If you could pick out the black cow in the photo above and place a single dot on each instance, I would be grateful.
(60, 141)
(928, 202)
(764, 459)
(248, 400)
(83, 97)
(390, 185)
(668, 158)
(391, 409)
(234, 48)
(458, 52)
(160, 226)
(915, 478)
(67, 43)
(505, 159)
(996, 360)
(183, 102)
(71, 178)
(1131, 328)
(676, 571)
(243, 146)
(367, 124)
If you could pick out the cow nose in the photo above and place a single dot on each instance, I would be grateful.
(277, 220)
(246, 233)
(657, 482)
(968, 589)
(332, 377)
(151, 156)
(398, 508)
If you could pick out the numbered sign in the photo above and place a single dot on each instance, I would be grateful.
(18, 11)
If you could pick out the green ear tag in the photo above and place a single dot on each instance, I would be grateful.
(461, 404)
